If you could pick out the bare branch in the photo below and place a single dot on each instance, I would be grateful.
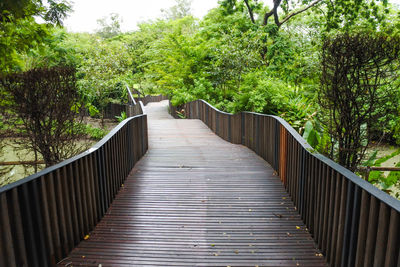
(267, 15)
(250, 11)
(298, 12)
(273, 11)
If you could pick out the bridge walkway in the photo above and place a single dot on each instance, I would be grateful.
(197, 200)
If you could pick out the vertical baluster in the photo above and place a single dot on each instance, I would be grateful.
(371, 232)
(331, 210)
(353, 234)
(61, 213)
(362, 229)
(65, 185)
(89, 191)
(382, 235)
(83, 193)
(35, 244)
(327, 197)
(78, 195)
(7, 245)
(318, 180)
(19, 237)
(47, 222)
(393, 243)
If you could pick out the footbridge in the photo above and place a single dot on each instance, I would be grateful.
(215, 189)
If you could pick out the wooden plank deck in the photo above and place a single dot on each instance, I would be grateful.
(196, 200)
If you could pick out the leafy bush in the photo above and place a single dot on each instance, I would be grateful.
(95, 133)
(260, 93)
(121, 117)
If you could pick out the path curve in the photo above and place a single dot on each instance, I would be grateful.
(197, 200)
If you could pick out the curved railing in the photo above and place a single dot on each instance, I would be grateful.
(152, 98)
(44, 216)
(352, 222)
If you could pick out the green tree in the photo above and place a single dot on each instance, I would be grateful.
(332, 14)
(109, 26)
(181, 9)
(19, 30)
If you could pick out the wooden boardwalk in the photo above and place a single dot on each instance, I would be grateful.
(196, 200)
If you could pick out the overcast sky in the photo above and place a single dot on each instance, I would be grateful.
(87, 12)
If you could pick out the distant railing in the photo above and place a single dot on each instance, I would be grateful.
(151, 98)
(113, 110)
(352, 222)
(44, 216)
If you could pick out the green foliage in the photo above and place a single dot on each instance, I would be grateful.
(20, 32)
(104, 69)
(121, 117)
(370, 161)
(259, 93)
(181, 9)
(109, 27)
(238, 57)
(377, 176)
(311, 135)
(94, 133)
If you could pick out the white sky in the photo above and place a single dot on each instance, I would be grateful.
(87, 12)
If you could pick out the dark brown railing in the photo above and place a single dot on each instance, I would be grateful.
(112, 110)
(151, 98)
(352, 222)
(44, 216)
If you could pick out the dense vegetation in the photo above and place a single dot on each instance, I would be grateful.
(243, 55)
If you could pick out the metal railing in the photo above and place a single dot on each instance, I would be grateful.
(352, 222)
(44, 216)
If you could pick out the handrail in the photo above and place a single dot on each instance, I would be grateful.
(130, 96)
(352, 222)
(45, 215)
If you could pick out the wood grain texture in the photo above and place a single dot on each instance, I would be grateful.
(197, 200)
